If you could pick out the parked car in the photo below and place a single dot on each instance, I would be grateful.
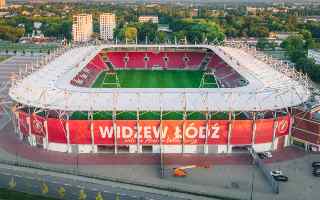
(316, 169)
(264, 155)
(276, 173)
(316, 164)
(281, 178)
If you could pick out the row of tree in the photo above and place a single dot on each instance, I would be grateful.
(10, 33)
(297, 50)
(193, 30)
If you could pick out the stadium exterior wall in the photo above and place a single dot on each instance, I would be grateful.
(139, 136)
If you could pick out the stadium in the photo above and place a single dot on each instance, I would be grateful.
(131, 98)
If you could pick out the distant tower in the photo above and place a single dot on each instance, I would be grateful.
(82, 28)
(107, 26)
(2, 4)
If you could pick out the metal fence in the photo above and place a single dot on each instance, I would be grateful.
(265, 170)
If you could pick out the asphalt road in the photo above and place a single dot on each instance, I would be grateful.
(35, 181)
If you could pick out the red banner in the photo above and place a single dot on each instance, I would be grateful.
(218, 132)
(103, 132)
(264, 130)
(283, 126)
(195, 131)
(172, 131)
(79, 132)
(23, 123)
(126, 131)
(149, 131)
(241, 132)
(56, 131)
(37, 125)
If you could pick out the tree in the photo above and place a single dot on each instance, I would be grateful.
(262, 43)
(161, 36)
(130, 33)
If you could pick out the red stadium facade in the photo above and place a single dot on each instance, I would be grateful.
(148, 132)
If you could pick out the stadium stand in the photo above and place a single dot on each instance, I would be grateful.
(195, 59)
(156, 59)
(226, 76)
(149, 59)
(89, 73)
(117, 59)
(136, 59)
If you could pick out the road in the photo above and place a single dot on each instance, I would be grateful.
(34, 181)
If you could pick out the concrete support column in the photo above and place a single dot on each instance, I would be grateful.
(229, 149)
(114, 114)
(205, 147)
(138, 133)
(46, 138)
(161, 133)
(184, 130)
(31, 137)
(254, 127)
(90, 117)
(18, 126)
(68, 135)
(275, 126)
(291, 122)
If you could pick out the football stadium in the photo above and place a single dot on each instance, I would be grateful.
(131, 98)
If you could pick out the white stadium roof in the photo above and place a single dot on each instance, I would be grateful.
(50, 87)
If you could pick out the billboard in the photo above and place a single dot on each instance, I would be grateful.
(150, 132)
(57, 131)
(23, 123)
(37, 125)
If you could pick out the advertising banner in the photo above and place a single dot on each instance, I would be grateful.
(103, 132)
(149, 131)
(283, 126)
(218, 132)
(56, 131)
(80, 132)
(126, 131)
(23, 123)
(172, 132)
(37, 125)
(264, 130)
(241, 132)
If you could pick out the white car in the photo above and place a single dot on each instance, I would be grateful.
(276, 173)
(267, 154)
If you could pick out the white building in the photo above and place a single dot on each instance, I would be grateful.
(82, 28)
(315, 54)
(2, 4)
(107, 26)
(148, 18)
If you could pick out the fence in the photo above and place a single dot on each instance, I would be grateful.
(265, 170)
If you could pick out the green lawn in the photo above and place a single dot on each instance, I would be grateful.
(154, 79)
(6, 194)
(2, 58)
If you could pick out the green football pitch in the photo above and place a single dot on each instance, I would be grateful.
(155, 79)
